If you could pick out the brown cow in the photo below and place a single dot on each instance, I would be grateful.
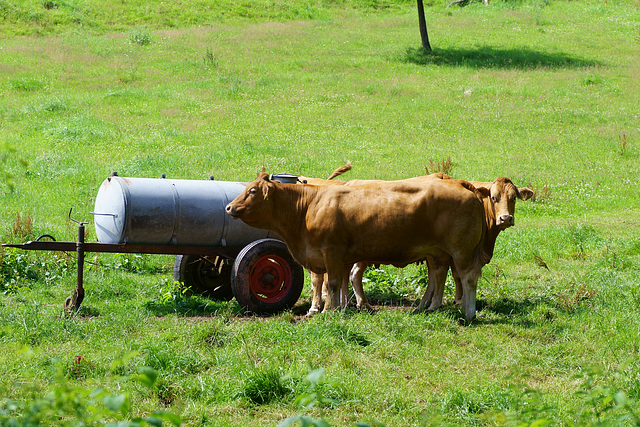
(499, 201)
(499, 215)
(329, 227)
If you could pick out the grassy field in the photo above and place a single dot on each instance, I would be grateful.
(544, 92)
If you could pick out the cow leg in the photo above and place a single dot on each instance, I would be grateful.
(335, 274)
(333, 294)
(428, 293)
(344, 288)
(469, 282)
(437, 269)
(456, 278)
(438, 275)
(317, 282)
(356, 281)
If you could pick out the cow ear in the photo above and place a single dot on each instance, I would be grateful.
(267, 188)
(483, 192)
(525, 193)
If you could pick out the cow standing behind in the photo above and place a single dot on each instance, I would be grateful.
(498, 197)
(329, 227)
(499, 201)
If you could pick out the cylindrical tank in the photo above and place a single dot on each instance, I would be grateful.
(170, 212)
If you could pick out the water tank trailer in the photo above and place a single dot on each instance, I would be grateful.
(215, 254)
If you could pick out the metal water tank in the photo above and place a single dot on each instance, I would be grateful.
(170, 212)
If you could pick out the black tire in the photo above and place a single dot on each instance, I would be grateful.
(206, 275)
(265, 278)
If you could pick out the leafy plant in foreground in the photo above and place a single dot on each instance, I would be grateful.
(308, 400)
(71, 405)
(602, 404)
(311, 398)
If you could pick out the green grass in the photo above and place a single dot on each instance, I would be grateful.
(542, 92)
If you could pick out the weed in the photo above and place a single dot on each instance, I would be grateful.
(574, 300)
(54, 105)
(212, 334)
(494, 279)
(469, 404)
(49, 4)
(582, 236)
(172, 291)
(22, 227)
(543, 194)
(130, 75)
(165, 391)
(387, 284)
(346, 334)
(591, 80)
(211, 60)
(264, 385)
(603, 402)
(622, 144)
(27, 84)
(445, 166)
(80, 368)
(140, 37)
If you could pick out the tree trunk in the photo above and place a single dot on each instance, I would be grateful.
(422, 23)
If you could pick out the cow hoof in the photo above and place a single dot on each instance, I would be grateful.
(433, 307)
(366, 307)
(312, 311)
(468, 322)
(370, 309)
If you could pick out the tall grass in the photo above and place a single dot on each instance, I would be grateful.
(542, 92)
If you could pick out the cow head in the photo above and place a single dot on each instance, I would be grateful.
(252, 204)
(501, 196)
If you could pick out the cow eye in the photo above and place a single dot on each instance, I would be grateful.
(494, 199)
(252, 190)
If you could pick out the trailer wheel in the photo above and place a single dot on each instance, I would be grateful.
(265, 278)
(206, 275)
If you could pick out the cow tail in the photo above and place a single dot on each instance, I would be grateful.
(340, 171)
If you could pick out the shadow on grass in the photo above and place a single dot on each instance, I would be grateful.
(525, 313)
(192, 307)
(201, 306)
(489, 57)
(528, 312)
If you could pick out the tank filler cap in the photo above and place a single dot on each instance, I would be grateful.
(285, 178)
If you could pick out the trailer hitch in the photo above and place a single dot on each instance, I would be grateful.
(74, 300)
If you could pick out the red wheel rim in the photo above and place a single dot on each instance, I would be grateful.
(271, 278)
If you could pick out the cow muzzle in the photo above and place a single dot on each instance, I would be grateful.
(231, 211)
(505, 221)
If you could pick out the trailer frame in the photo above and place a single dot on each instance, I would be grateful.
(250, 299)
